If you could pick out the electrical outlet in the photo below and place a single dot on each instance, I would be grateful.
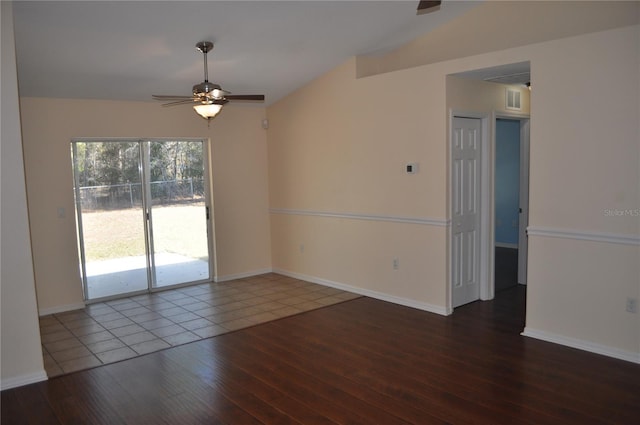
(632, 305)
(396, 264)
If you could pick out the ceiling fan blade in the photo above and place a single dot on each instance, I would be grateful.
(245, 97)
(427, 6)
(169, 97)
(179, 102)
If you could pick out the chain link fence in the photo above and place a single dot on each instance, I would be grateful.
(129, 195)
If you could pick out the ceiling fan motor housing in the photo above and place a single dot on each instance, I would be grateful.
(204, 46)
(206, 89)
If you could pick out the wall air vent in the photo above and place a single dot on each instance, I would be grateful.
(513, 99)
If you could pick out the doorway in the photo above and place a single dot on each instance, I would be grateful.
(473, 174)
(142, 210)
(511, 200)
(507, 202)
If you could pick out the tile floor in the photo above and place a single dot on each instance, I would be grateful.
(111, 331)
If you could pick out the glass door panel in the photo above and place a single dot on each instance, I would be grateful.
(178, 212)
(110, 217)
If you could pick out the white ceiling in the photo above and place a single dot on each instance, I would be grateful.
(128, 50)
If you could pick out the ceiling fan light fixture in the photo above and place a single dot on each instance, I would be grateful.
(208, 110)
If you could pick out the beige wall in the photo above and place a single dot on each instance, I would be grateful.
(239, 174)
(337, 150)
(577, 291)
(21, 353)
(339, 146)
(584, 150)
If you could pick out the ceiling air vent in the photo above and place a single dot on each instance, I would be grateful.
(513, 99)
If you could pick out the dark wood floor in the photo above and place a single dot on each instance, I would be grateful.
(360, 362)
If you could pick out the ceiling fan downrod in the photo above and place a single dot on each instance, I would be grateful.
(205, 47)
(206, 87)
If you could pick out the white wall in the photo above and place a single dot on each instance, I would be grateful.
(239, 177)
(337, 150)
(21, 353)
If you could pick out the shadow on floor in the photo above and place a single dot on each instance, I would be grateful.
(506, 268)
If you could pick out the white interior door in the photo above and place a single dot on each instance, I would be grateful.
(523, 221)
(465, 151)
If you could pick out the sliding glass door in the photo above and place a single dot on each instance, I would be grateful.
(142, 214)
(110, 217)
(178, 219)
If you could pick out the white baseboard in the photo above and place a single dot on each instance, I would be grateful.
(506, 245)
(60, 309)
(18, 381)
(431, 308)
(592, 347)
(228, 277)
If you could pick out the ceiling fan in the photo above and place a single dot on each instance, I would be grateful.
(208, 97)
(428, 6)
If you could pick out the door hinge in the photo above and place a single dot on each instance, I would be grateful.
(207, 209)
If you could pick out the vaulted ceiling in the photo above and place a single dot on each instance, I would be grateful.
(129, 50)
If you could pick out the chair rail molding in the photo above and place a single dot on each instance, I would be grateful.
(615, 238)
(428, 221)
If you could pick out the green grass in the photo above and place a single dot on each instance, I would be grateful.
(117, 234)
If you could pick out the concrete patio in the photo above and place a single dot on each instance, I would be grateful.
(125, 275)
